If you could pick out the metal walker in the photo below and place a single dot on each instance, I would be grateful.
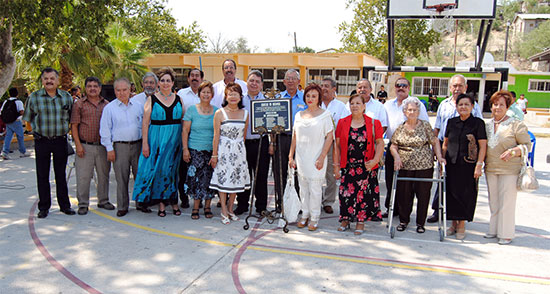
(440, 180)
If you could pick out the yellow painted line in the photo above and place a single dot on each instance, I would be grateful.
(162, 232)
(405, 266)
(331, 257)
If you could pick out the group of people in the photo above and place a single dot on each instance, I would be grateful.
(199, 140)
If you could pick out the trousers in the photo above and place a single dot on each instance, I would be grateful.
(95, 157)
(44, 150)
(126, 158)
(502, 204)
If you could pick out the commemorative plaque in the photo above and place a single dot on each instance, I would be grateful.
(271, 112)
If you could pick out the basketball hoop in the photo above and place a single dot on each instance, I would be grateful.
(442, 17)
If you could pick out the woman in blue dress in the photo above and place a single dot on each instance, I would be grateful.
(156, 181)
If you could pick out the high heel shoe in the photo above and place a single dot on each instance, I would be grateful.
(359, 228)
(161, 213)
(225, 219)
(233, 217)
(302, 223)
(313, 225)
(344, 226)
(460, 233)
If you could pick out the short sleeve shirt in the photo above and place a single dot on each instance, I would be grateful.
(49, 116)
(414, 146)
(202, 129)
(462, 136)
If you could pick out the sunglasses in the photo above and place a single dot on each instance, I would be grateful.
(401, 85)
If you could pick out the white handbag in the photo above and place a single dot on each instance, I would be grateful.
(527, 180)
(291, 202)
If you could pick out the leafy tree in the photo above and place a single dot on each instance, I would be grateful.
(50, 32)
(239, 46)
(152, 20)
(303, 50)
(367, 32)
(535, 41)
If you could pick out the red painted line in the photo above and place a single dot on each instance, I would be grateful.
(401, 262)
(60, 268)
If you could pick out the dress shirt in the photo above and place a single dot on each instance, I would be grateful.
(297, 101)
(190, 98)
(140, 98)
(515, 112)
(396, 116)
(446, 111)
(246, 102)
(375, 109)
(88, 115)
(18, 104)
(120, 122)
(49, 116)
(337, 109)
(219, 91)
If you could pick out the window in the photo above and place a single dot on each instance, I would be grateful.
(422, 86)
(346, 79)
(539, 86)
(273, 76)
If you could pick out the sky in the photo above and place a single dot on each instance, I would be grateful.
(267, 24)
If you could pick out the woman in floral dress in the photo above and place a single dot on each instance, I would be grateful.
(229, 153)
(357, 153)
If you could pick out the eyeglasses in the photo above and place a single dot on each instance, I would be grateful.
(401, 85)
(165, 81)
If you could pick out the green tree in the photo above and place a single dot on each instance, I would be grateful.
(152, 20)
(367, 33)
(51, 32)
(535, 41)
(303, 50)
(126, 55)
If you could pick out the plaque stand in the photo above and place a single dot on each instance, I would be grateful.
(271, 216)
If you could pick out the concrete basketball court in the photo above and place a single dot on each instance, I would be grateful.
(143, 253)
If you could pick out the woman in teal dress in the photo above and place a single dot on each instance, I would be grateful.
(156, 181)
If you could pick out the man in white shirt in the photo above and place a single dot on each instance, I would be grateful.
(120, 130)
(190, 95)
(445, 111)
(373, 108)
(394, 110)
(14, 127)
(255, 83)
(338, 110)
(229, 68)
(149, 82)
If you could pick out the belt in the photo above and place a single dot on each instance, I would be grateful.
(90, 143)
(39, 137)
(128, 142)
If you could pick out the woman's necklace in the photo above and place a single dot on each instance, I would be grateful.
(165, 97)
(205, 110)
(500, 120)
(231, 109)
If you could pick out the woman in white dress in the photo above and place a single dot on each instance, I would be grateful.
(311, 140)
(229, 154)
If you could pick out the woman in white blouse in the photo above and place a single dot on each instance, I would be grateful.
(311, 140)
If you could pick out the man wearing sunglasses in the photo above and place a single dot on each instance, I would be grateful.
(394, 109)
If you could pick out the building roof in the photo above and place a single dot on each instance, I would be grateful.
(544, 55)
(531, 16)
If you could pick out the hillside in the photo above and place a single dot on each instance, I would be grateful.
(442, 54)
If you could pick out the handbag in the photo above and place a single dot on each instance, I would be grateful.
(382, 160)
(527, 180)
(291, 202)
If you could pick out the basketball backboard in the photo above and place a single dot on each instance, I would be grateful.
(464, 9)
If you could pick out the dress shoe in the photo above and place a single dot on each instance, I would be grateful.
(107, 206)
(328, 209)
(82, 210)
(434, 218)
(42, 214)
(240, 210)
(489, 236)
(503, 241)
(68, 211)
(121, 213)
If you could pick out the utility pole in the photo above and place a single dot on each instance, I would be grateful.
(295, 43)
(506, 41)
